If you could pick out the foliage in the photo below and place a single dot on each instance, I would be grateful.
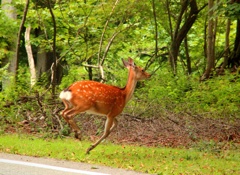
(25, 103)
(91, 32)
(86, 29)
(181, 94)
(6, 36)
(231, 9)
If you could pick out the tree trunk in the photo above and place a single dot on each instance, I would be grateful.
(226, 50)
(42, 64)
(16, 60)
(30, 57)
(10, 12)
(189, 67)
(227, 45)
(54, 65)
(234, 60)
(156, 31)
(210, 43)
(181, 30)
(90, 69)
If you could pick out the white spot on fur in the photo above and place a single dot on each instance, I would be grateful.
(67, 95)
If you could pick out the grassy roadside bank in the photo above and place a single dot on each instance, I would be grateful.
(145, 159)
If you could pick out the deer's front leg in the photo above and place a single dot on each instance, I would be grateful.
(107, 130)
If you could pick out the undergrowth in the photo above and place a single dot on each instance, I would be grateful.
(214, 98)
(182, 100)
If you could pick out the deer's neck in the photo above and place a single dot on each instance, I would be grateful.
(130, 86)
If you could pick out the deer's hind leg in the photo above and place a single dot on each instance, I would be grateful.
(69, 115)
(67, 110)
(67, 107)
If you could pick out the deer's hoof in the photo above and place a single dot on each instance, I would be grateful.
(89, 149)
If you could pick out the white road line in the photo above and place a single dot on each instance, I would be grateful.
(50, 167)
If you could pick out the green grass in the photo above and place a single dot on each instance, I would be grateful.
(145, 159)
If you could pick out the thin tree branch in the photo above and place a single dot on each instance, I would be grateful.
(170, 21)
(179, 20)
(110, 43)
(108, 47)
(54, 66)
(153, 58)
(101, 40)
(19, 35)
(93, 66)
(30, 56)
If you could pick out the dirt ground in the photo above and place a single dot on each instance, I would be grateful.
(172, 130)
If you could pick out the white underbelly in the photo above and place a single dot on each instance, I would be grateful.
(94, 112)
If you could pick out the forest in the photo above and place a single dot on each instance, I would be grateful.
(191, 49)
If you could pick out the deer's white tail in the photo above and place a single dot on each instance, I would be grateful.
(66, 95)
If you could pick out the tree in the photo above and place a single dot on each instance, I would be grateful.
(234, 60)
(54, 65)
(181, 29)
(45, 42)
(210, 42)
(33, 77)
(11, 59)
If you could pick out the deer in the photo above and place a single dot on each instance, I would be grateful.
(102, 99)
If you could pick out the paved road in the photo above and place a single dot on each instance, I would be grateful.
(24, 165)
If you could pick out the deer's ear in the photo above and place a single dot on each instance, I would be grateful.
(125, 63)
(129, 63)
(130, 60)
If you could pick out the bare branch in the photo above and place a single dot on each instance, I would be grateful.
(30, 57)
(19, 36)
(93, 66)
(101, 40)
(54, 65)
